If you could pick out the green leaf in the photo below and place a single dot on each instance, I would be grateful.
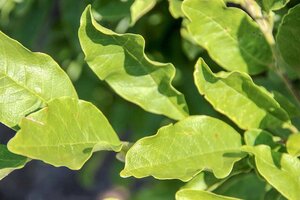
(268, 5)
(256, 137)
(288, 39)
(140, 8)
(190, 194)
(286, 104)
(28, 81)
(65, 133)
(281, 170)
(235, 95)
(9, 161)
(119, 59)
(182, 150)
(229, 35)
(175, 8)
(293, 144)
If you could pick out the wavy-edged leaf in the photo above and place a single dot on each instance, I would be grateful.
(28, 81)
(9, 161)
(293, 144)
(140, 8)
(235, 95)
(119, 59)
(229, 35)
(269, 5)
(288, 39)
(281, 170)
(190, 194)
(175, 8)
(256, 137)
(182, 150)
(65, 133)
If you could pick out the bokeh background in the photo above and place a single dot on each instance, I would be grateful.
(51, 26)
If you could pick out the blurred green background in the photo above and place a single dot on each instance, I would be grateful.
(51, 26)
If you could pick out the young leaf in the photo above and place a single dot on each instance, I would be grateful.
(65, 133)
(229, 35)
(9, 161)
(268, 5)
(28, 81)
(288, 39)
(190, 194)
(293, 144)
(139, 8)
(119, 59)
(235, 95)
(182, 150)
(281, 170)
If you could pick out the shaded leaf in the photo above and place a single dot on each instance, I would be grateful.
(190, 194)
(293, 144)
(193, 144)
(119, 59)
(281, 170)
(235, 95)
(65, 133)
(229, 35)
(288, 39)
(286, 104)
(9, 161)
(28, 81)
(256, 137)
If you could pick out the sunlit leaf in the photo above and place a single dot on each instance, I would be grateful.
(256, 137)
(139, 8)
(65, 133)
(182, 150)
(293, 144)
(235, 95)
(268, 5)
(28, 81)
(175, 8)
(281, 170)
(190, 194)
(119, 59)
(9, 161)
(229, 35)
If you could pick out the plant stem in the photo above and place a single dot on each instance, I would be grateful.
(265, 24)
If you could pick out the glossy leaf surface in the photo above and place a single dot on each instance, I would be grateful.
(229, 35)
(182, 150)
(65, 133)
(28, 81)
(119, 59)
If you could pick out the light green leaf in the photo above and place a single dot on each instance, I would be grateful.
(256, 137)
(65, 133)
(230, 36)
(28, 81)
(182, 150)
(293, 144)
(9, 161)
(281, 170)
(235, 95)
(119, 59)
(288, 39)
(140, 8)
(175, 8)
(268, 5)
(190, 194)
